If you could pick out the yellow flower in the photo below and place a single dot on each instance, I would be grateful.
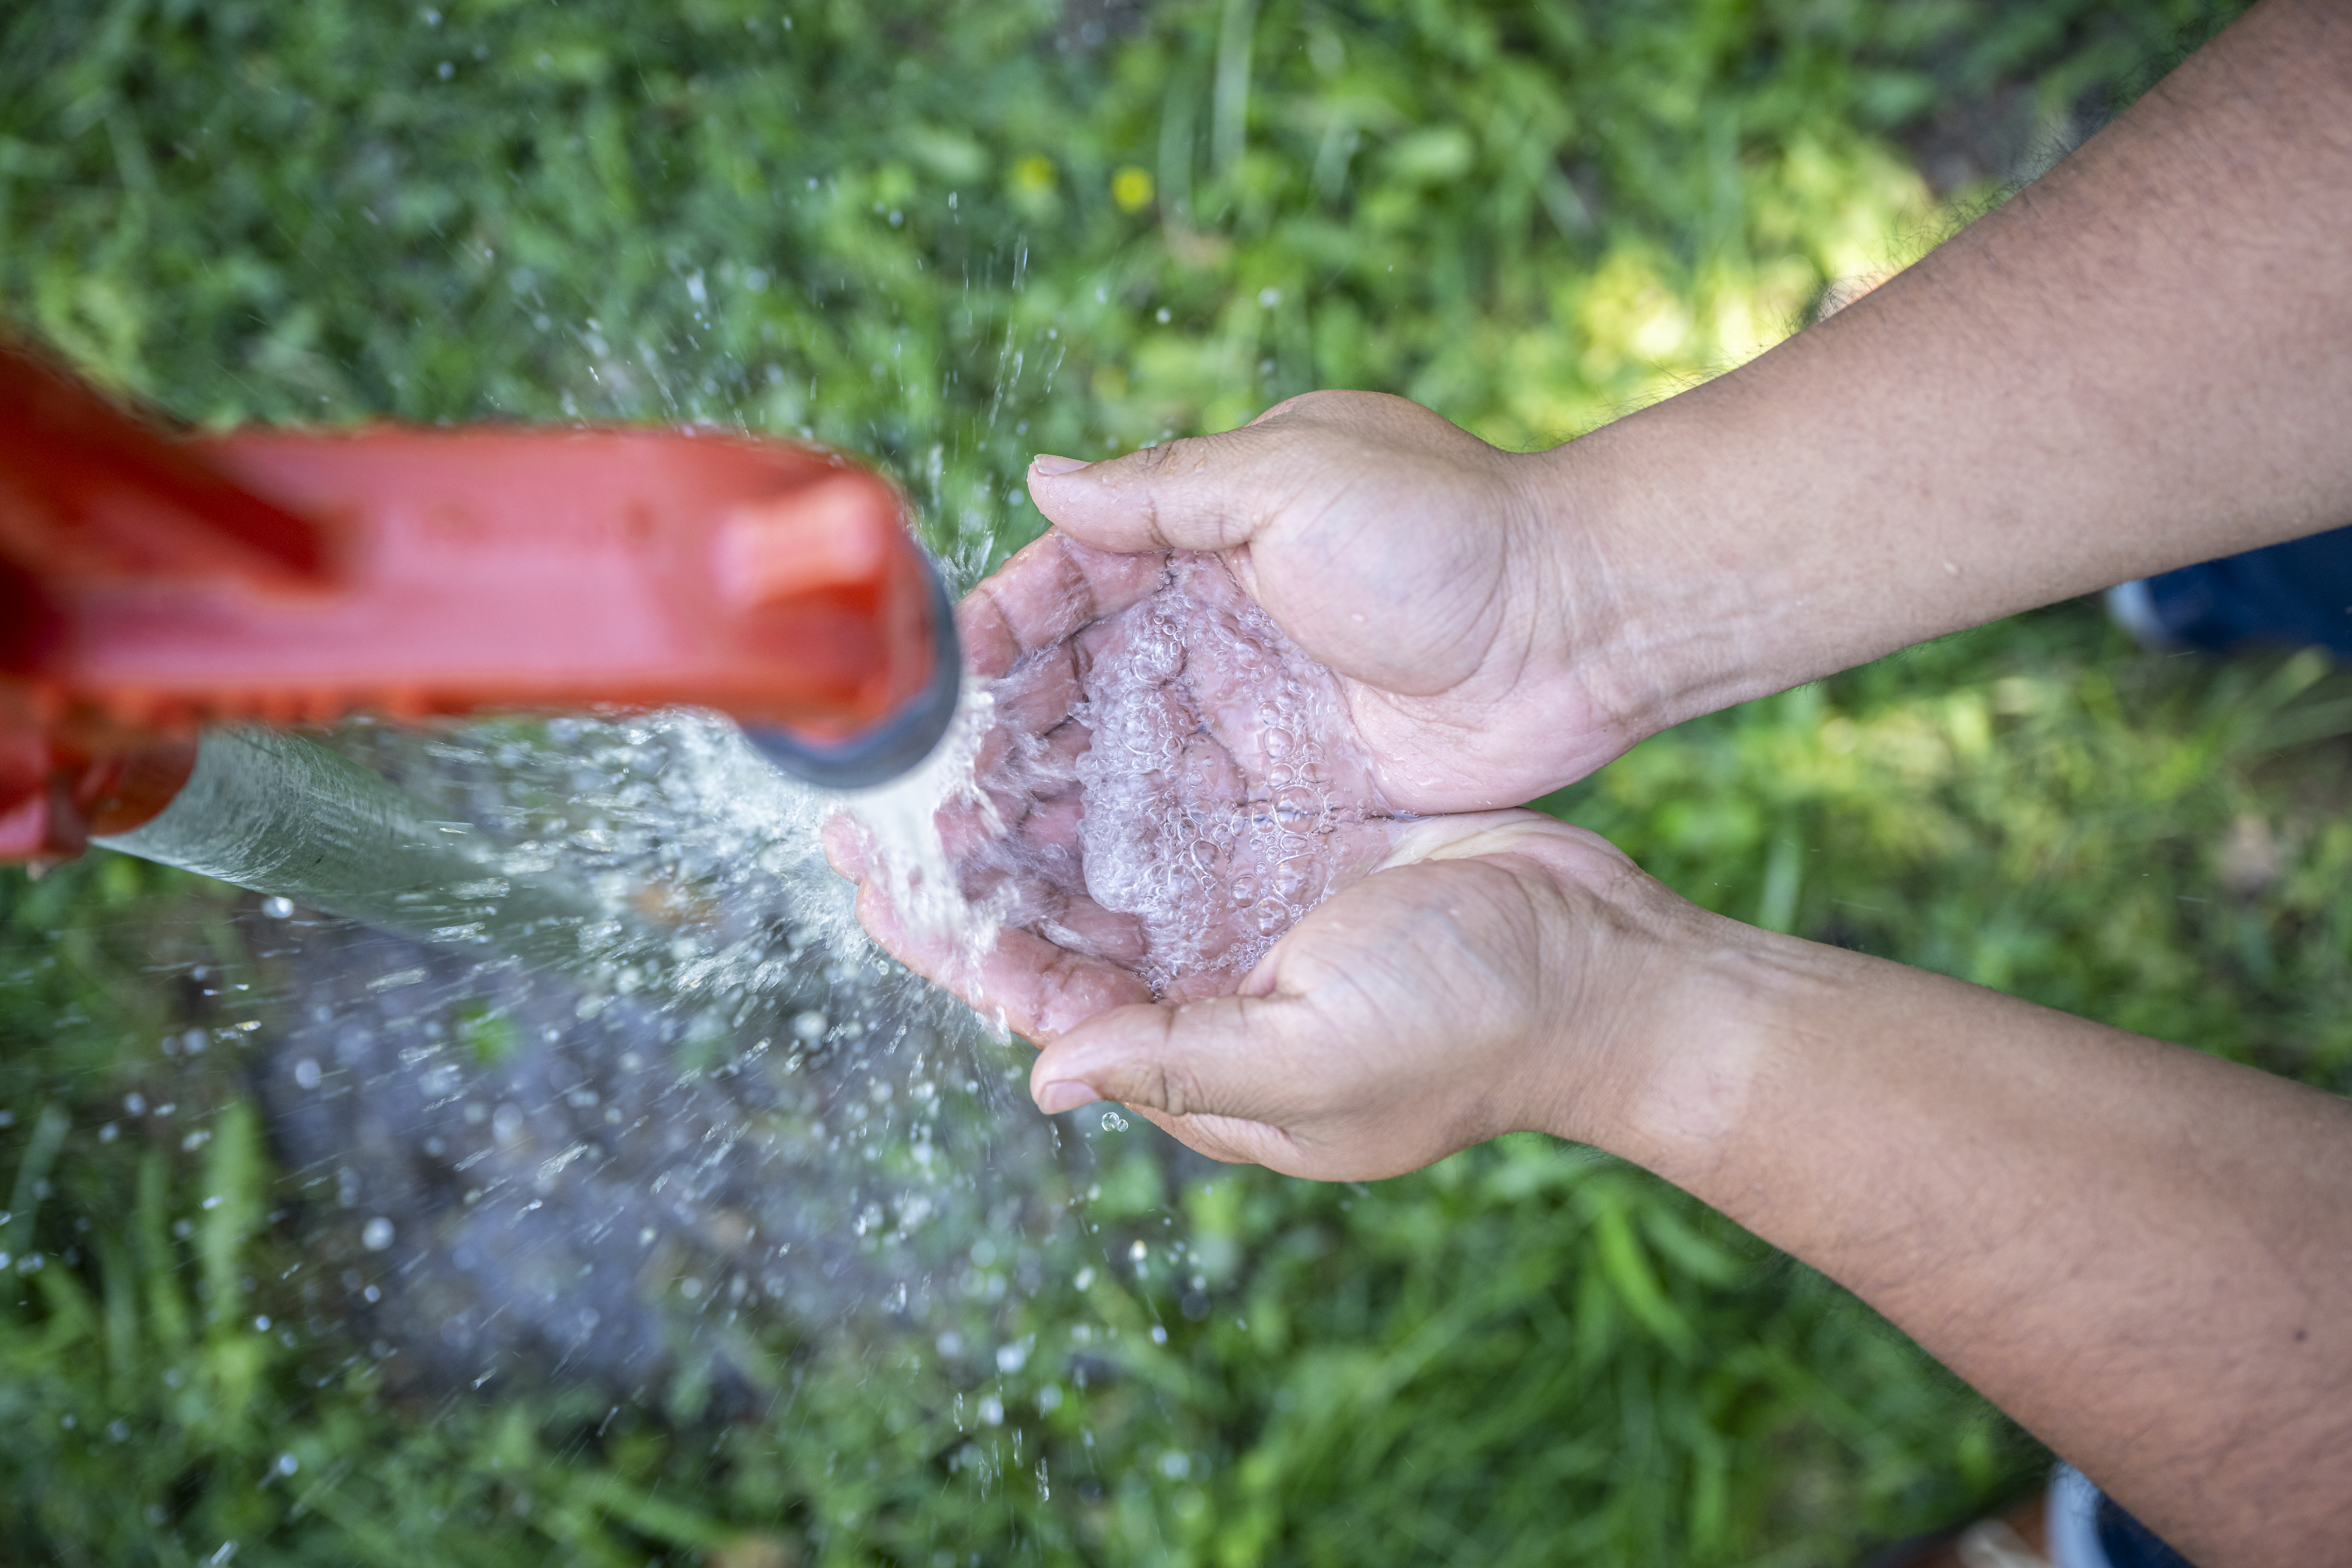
(1034, 175)
(1131, 189)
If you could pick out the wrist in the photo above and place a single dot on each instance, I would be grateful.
(1676, 1023)
(1666, 608)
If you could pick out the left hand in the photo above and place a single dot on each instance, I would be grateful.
(1505, 971)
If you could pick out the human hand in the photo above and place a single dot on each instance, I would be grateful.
(1503, 972)
(1481, 640)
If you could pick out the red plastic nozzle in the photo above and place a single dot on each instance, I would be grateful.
(148, 586)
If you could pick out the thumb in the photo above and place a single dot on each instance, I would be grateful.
(1206, 492)
(1219, 1057)
(1209, 1073)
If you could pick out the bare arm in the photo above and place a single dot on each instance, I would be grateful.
(2141, 1253)
(2142, 361)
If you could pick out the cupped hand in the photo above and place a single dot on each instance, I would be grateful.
(1474, 630)
(1504, 971)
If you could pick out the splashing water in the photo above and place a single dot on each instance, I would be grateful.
(905, 843)
(1171, 791)
(1225, 793)
(590, 1172)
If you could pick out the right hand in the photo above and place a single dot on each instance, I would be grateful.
(1429, 570)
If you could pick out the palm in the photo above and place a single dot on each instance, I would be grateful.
(1171, 783)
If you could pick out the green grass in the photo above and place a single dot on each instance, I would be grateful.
(894, 227)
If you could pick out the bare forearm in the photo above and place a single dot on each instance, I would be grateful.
(2142, 361)
(2139, 1252)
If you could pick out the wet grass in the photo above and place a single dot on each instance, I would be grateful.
(947, 236)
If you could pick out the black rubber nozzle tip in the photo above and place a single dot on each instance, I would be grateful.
(897, 745)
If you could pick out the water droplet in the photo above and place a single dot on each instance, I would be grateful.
(278, 909)
(991, 1410)
(376, 1234)
(287, 1464)
(306, 1073)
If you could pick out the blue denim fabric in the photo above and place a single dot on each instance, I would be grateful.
(2129, 1543)
(2298, 594)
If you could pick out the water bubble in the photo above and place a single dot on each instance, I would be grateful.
(1112, 1122)
(376, 1234)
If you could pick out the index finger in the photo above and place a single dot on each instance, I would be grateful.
(1052, 588)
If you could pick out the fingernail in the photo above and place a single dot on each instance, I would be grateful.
(1064, 1094)
(1054, 467)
